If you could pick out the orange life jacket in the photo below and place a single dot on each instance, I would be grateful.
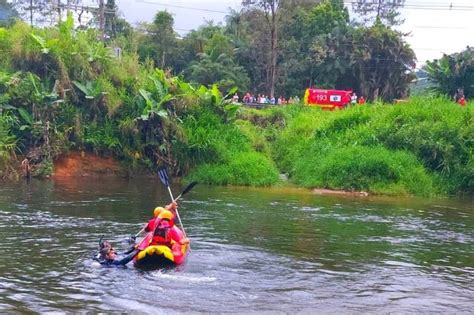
(161, 238)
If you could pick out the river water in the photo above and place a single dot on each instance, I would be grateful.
(254, 251)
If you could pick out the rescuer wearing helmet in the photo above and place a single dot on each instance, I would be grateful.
(150, 226)
(168, 234)
(157, 211)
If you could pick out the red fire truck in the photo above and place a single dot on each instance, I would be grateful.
(327, 99)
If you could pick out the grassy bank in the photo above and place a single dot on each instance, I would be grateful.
(421, 147)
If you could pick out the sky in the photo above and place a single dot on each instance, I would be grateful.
(433, 28)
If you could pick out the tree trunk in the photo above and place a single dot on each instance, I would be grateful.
(273, 49)
(274, 53)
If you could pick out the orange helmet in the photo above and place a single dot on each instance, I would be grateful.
(166, 214)
(157, 211)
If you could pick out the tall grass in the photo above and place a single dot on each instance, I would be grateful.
(245, 169)
(374, 169)
(223, 154)
(430, 138)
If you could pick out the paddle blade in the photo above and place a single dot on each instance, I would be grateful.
(163, 176)
(189, 187)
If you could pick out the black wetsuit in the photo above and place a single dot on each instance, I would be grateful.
(118, 262)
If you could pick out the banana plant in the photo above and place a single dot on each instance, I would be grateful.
(93, 93)
(45, 45)
(156, 96)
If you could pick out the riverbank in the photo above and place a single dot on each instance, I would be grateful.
(86, 164)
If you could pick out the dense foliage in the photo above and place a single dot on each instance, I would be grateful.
(453, 73)
(64, 89)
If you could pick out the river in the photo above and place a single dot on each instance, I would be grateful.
(254, 251)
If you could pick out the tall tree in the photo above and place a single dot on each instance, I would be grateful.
(387, 11)
(209, 54)
(110, 18)
(383, 63)
(164, 37)
(159, 41)
(250, 38)
(300, 35)
(374, 61)
(272, 14)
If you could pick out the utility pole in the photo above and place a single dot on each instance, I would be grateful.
(31, 12)
(378, 9)
(59, 11)
(77, 7)
(102, 19)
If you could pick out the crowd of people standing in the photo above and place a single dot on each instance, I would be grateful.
(250, 98)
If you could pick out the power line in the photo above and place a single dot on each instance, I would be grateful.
(181, 6)
(441, 27)
(410, 5)
(422, 6)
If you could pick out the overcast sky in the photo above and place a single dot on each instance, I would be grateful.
(433, 31)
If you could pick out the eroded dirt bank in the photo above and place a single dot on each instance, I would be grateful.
(82, 164)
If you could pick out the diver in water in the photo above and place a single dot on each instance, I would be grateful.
(108, 256)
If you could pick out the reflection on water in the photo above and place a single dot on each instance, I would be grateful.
(254, 251)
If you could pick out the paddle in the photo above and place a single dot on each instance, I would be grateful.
(164, 179)
(185, 191)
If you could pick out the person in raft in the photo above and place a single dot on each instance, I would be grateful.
(151, 223)
(150, 226)
(108, 256)
(168, 234)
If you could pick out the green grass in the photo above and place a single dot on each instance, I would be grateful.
(430, 138)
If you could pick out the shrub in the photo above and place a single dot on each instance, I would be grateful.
(362, 168)
(246, 168)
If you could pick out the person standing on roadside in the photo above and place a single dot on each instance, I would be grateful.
(353, 99)
(462, 101)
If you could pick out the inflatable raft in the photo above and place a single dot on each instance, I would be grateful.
(156, 256)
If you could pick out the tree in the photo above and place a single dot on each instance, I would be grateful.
(382, 63)
(373, 61)
(384, 10)
(272, 14)
(453, 72)
(300, 39)
(163, 36)
(159, 41)
(216, 64)
(110, 19)
(251, 46)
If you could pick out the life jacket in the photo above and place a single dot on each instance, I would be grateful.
(161, 237)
